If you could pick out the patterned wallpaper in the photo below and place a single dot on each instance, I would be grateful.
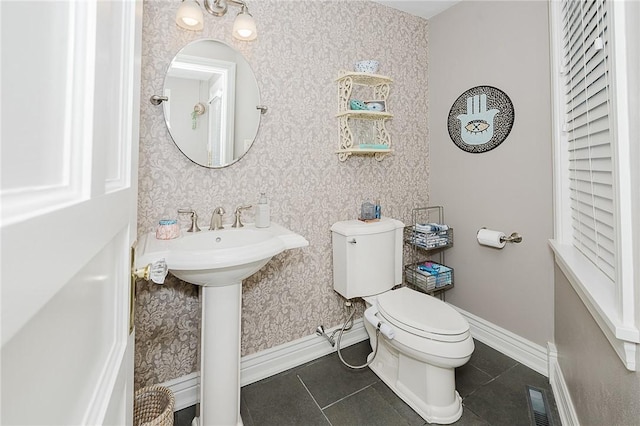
(301, 47)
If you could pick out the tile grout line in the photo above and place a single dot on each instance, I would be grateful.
(350, 395)
(508, 369)
(489, 374)
(492, 378)
(314, 400)
(476, 414)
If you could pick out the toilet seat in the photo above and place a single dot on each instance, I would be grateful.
(423, 315)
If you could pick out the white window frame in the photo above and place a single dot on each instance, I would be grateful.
(614, 306)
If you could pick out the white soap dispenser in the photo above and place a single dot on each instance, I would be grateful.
(263, 215)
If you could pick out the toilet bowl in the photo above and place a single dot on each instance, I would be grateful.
(430, 339)
(420, 339)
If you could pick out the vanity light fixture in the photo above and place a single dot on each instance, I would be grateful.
(190, 17)
(244, 27)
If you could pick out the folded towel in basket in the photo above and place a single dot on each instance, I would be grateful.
(430, 227)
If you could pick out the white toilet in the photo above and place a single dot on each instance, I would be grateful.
(423, 339)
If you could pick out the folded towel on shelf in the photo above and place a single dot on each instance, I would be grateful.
(430, 240)
(373, 146)
(433, 268)
(430, 227)
(436, 275)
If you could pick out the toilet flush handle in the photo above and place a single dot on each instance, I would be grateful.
(352, 241)
(386, 329)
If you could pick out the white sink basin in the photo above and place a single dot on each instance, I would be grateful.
(218, 258)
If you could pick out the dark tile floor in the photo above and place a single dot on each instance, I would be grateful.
(325, 392)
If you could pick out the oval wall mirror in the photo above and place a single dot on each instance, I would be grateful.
(211, 107)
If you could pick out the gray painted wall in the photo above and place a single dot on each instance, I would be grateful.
(505, 45)
(603, 391)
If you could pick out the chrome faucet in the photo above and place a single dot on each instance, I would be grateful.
(238, 222)
(194, 219)
(216, 219)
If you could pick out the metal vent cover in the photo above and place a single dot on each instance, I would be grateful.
(539, 412)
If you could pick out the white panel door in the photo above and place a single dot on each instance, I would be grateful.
(70, 86)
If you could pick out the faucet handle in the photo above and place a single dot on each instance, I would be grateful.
(238, 222)
(194, 219)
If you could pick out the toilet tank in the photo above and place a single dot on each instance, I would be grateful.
(367, 257)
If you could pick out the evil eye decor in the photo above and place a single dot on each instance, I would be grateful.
(480, 119)
(375, 106)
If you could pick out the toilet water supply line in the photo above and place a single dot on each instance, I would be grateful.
(381, 327)
(331, 338)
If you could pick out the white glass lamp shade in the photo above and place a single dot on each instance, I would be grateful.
(244, 27)
(189, 16)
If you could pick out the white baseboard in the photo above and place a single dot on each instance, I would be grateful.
(261, 365)
(568, 415)
(266, 363)
(275, 360)
(186, 390)
(520, 349)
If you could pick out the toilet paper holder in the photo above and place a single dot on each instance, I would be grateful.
(513, 238)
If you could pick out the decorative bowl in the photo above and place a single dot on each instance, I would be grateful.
(356, 104)
(370, 66)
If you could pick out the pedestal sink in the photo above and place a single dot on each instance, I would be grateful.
(218, 261)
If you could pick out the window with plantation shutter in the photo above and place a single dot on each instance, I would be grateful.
(588, 131)
(595, 47)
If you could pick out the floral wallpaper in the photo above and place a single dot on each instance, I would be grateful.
(300, 50)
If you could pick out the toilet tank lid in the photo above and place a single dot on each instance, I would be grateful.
(358, 227)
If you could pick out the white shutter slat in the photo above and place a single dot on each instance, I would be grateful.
(591, 113)
(603, 178)
(580, 106)
(600, 125)
(582, 37)
(583, 79)
(596, 244)
(603, 165)
(581, 47)
(591, 81)
(594, 192)
(588, 214)
(600, 146)
(589, 140)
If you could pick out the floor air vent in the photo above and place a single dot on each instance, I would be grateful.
(538, 407)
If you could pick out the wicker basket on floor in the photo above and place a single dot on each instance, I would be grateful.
(153, 406)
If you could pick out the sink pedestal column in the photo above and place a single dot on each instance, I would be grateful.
(220, 355)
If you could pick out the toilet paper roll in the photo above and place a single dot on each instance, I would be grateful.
(490, 238)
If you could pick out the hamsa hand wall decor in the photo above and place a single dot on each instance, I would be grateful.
(480, 119)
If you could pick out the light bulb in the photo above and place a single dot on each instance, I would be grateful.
(190, 22)
(244, 27)
(189, 16)
(245, 33)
